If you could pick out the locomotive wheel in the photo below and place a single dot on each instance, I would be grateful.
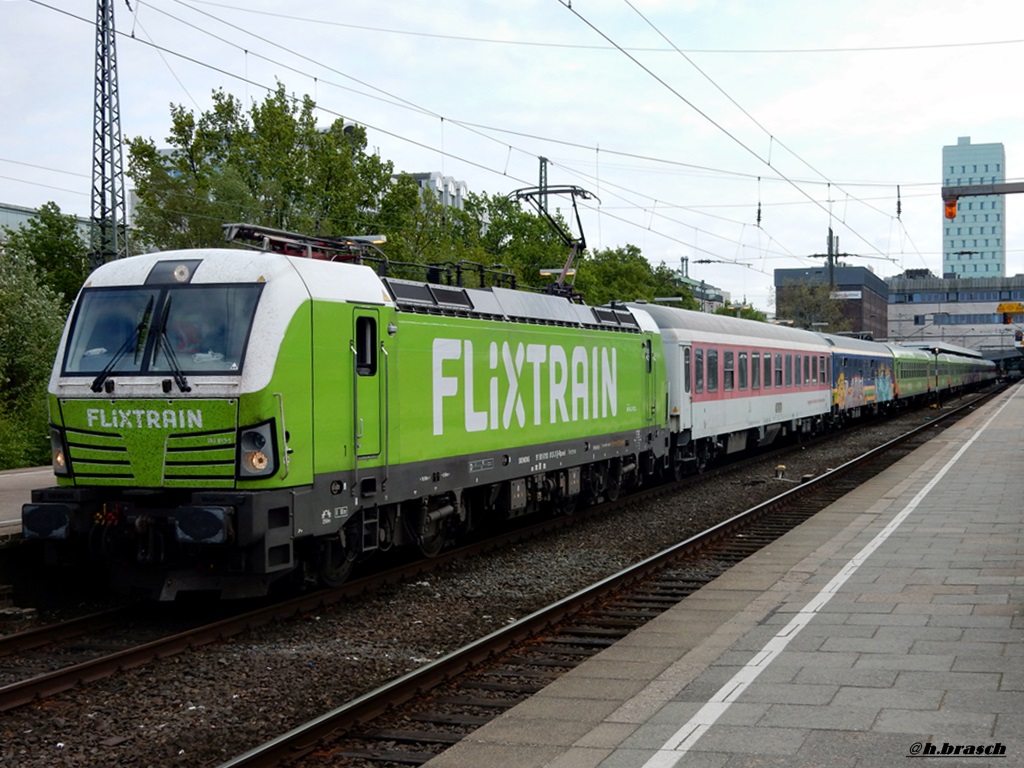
(432, 541)
(566, 505)
(613, 481)
(336, 562)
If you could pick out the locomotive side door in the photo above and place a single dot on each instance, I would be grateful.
(368, 372)
(650, 350)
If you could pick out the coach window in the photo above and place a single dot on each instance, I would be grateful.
(686, 370)
(743, 370)
(807, 369)
(712, 370)
(824, 370)
(778, 369)
(698, 371)
(366, 346)
(789, 370)
(796, 371)
(728, 372)
(755, 370)
(767, 370)
(814, 370)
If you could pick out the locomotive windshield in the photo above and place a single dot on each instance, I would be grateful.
(156, 330)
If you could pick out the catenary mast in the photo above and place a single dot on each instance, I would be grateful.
(109, 220)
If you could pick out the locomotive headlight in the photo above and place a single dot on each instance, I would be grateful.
(58, 452)
(257, 451)
(257, 461)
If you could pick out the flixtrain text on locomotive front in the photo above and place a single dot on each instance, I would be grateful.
(222, 419)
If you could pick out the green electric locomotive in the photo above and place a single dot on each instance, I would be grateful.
(224, 419)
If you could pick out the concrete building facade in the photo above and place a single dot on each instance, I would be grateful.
(974, 243)
(862, 294)
(449, 191)
(925, 308)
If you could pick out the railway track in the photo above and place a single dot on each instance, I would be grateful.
(104, 664)
(415, 717)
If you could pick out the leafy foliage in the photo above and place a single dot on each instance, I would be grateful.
(624, 274)
(31, 320)
(809, 305)
(51, 243)
(745, 312)
(271, 166)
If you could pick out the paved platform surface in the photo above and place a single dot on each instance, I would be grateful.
(887, 631)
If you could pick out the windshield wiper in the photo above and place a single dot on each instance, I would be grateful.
(136, 337)
(162, 342)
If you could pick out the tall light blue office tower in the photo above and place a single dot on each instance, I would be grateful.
(974, 243)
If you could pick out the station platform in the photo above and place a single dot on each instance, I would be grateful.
(885, 631)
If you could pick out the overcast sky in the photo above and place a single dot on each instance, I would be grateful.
(682, 117)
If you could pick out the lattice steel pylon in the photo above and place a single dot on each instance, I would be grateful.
(109, 214)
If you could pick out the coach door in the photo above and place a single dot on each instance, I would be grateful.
(369, 372)
(683, 398)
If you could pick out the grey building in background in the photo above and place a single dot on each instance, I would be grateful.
(863, 294)
(964, 312)
(450, 192)
(13, 216)
(974, 243)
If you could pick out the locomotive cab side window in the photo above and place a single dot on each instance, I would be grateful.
(366, 346)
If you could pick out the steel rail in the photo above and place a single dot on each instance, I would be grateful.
(48, 634)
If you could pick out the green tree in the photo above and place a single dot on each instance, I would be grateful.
(810, 305)
(515, 239)
(270, 166)
(31, 321)
(50, 242)
(744, 311)
(624, 274)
